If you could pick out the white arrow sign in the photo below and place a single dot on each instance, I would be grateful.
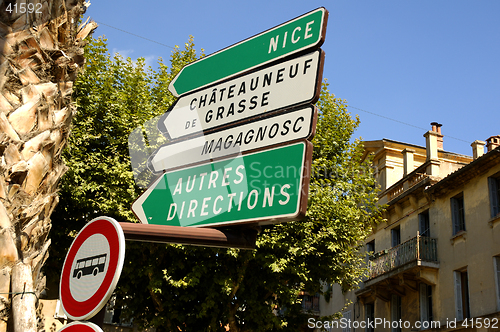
(286, 127)
(284, 85)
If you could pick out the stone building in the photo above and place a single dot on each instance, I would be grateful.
(434, 264)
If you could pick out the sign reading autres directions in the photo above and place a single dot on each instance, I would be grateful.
(283, 85)
(266, 187)
(300, 34)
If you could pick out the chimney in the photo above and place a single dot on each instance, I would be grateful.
(436, 127)
(477, 149)
(431, 147)
(493, 142)
(431, 142)
(408, 164)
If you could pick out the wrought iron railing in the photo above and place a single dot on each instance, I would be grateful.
(419, 248)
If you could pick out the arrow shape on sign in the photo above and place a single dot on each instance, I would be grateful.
(266, 186)
(298, 35)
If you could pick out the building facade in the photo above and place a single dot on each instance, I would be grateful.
(434, 263)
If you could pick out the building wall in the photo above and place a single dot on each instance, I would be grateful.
(472, 250)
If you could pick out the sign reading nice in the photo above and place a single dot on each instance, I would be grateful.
(300, 34)
(92, 268)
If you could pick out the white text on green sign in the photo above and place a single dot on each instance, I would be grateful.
(304, 32)
(265, 186)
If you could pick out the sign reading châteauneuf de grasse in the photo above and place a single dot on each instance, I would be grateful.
(283, 85)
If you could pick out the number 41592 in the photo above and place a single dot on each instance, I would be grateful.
(24, 7)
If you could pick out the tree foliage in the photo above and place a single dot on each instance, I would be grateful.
(188, 288)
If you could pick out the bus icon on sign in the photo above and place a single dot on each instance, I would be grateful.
(90, 265)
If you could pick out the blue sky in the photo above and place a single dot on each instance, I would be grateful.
(400, 65)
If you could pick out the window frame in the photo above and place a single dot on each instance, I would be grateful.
(457, 204)
(496, 271)
(462, 298)
(424, 226)
(494, 194)
(425, 294)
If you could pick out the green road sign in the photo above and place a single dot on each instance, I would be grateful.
(263, 187)
(302, 33)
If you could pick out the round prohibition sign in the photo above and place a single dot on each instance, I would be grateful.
(81, 327)
(92, 268)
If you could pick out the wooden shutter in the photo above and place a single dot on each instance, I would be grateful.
(459, 312)
(455, 215)
(496, 262)
(423, 303)
(347, 316)
(493, 186)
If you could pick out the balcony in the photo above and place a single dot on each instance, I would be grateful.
(418, 251)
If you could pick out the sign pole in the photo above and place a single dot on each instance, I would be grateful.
(208, 237)
(98, 319)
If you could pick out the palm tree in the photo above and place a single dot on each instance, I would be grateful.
(41, 51)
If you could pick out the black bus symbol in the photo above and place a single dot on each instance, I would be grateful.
(89, 265)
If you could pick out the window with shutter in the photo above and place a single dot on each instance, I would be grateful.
(395, 312)
(425, 303)
(462, 306)
(496, 262)
(424, 224)
(494, 189)
(396, 236)
(458, 296)
(370, 317)
(458, 213)
(347, 316)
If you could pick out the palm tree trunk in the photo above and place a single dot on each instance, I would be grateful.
(41, 50)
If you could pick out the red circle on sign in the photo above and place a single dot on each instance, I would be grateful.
(81, 327)
(112, 231)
